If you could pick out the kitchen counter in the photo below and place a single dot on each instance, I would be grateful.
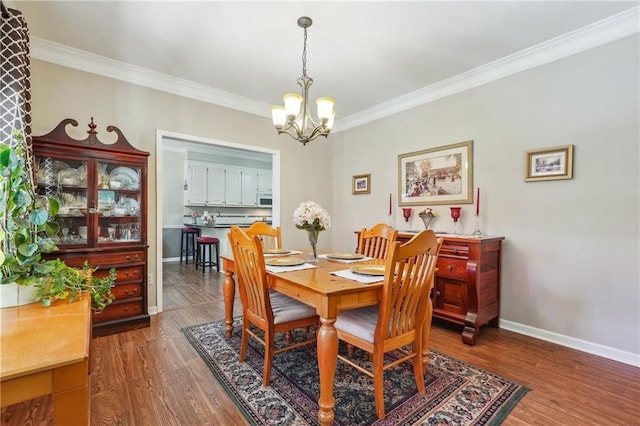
(220, 225)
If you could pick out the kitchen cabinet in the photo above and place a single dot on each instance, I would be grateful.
(102, 189)
(212, 184)
(265, 180)
(205, 184)
(249, 187)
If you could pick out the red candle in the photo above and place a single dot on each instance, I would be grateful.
(478, 203)
(389, 204)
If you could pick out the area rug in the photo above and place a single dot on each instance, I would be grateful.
(457, 393)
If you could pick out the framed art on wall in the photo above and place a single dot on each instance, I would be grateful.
(361, 184)
(549, 163)
(442, 175)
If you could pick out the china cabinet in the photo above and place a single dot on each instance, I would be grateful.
(102, 190)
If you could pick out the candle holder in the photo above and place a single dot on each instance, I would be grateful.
(477, 232)
(406, 213)
(455, 215)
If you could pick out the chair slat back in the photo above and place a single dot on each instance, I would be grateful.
(409, 274)
(270, 237)
(375, 242)
(252, 275)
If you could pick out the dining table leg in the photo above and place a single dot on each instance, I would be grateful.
(327, 345)
(229, 294)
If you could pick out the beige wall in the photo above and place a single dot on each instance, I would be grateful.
(59, 92)
(571, 251)
(571, 254)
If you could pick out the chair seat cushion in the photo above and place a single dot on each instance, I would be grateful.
(359, 322)
(187, 230)
(287, 309)
(207, 240)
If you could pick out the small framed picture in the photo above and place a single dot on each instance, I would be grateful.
(361, 184)
(549, 163)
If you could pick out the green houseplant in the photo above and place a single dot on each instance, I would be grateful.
(26, 231)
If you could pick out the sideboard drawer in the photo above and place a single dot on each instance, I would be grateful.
(455, 249)
(453, 268)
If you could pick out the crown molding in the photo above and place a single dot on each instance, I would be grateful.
(81, 60)
(599, 33)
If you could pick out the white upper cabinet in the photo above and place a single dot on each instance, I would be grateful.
(234, 186)
(212, 184)
(265, 180)
(249, 187)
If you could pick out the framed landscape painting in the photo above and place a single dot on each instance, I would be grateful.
(549, 163)
(442, 175)
(361, 184)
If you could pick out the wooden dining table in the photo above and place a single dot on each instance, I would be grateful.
(329, 294)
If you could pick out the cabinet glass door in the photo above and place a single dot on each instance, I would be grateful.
(66, 180)
(119, 198)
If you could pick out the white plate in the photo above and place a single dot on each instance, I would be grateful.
(128, 177)
(130, 205)
(68, 176)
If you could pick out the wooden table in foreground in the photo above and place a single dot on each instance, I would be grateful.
(329, 294)
(46, 351)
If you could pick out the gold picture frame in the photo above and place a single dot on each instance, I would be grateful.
(361, 184)
(442, 175)
(549, 163)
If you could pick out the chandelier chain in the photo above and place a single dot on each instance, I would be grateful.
(304, 54)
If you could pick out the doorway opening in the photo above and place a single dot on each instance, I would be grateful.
(167, 143)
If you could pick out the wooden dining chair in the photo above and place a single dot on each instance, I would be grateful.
(270, 311)
(375, 242)
(270, 237)
(399, 318)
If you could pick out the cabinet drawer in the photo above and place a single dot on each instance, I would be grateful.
(454, 268)
(127, 291)
(105, 259)
(455, 249)
(127, 273)
(118, 311)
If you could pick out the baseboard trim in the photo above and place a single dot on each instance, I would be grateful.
(574, 343)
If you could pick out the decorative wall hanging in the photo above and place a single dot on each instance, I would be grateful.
(362, 184)
(549, 163)
(442, 175)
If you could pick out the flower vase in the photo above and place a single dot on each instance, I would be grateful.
(427, 220)
(313, 240)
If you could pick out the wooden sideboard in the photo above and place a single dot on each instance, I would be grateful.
(46, 351)
(467, 282)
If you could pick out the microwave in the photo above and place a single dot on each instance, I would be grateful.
(265, 199)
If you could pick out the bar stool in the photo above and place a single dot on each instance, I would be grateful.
(188, 243)
(202, 244)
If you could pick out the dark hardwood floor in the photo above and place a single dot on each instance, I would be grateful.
(153, 376)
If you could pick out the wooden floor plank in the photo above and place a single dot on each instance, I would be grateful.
(153, 376)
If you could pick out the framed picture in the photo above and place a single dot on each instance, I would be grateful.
(361, 184)
(442, 175)
(549, 163)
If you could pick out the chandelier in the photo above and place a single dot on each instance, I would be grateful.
(294, 118)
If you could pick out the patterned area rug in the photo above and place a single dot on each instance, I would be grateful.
(457, 393)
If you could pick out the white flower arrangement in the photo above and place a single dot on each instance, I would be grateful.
(311, 217)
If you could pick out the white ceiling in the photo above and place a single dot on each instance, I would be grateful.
(369, 56)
